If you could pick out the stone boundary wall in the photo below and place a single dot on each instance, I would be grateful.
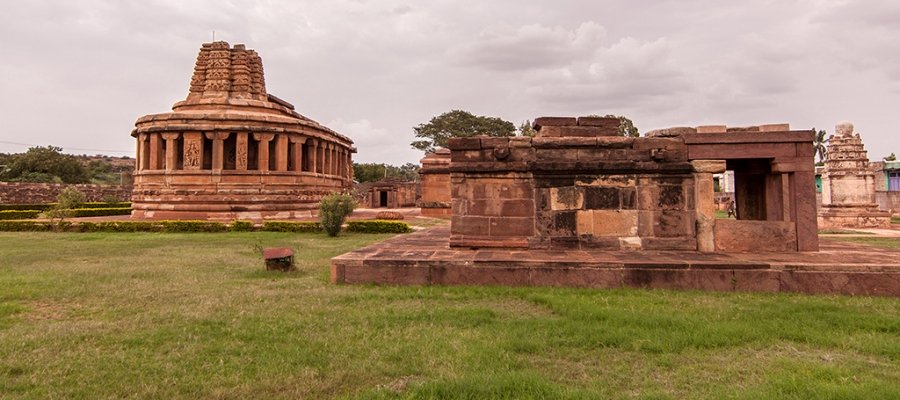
(38, 193)
(888, 201)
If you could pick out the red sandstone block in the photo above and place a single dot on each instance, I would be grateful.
(606, 122)
(554, 121)
(387, 275)
(577, 131)
(467, 225)
(849, 283)
(511, 226)
(757, 280)
(576, 277)
(466, 143)
(491, 142)
(679, 279)
(517, 208)
(469, 275)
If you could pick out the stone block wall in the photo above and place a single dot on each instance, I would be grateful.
(575, 185)
(435, 184)
(39, 193)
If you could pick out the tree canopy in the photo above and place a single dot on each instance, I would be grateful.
(371, 172)
(819, 145)
(45, 164)
(458, 123)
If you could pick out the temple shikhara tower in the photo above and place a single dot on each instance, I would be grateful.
(233, 151)
(848, 185)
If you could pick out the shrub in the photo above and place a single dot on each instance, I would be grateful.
(19, 214)
(389, 215)
(69, 198)
(378, 226)
(333, 210)
(99, 212)
(241, 226)
(296, 227)
(193, 226)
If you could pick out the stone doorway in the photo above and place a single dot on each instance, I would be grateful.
(382, 198)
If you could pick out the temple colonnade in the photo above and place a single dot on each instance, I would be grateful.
(243, 151)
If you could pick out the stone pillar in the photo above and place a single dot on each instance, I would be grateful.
(193, 150)
(240, 151)
(156, 151)
(171, 150)
(297, 142)
(145, 151)
(312, 147)
(341, 162)
(329, 158)
(705, 200)
(263, 154)
(320, 158)
(803, 189)
(281, 152)
(137, 153)
(218, 150)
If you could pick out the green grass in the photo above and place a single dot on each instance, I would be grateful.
(140, 315)
(895, 220)
(843, 232)
(886, 242)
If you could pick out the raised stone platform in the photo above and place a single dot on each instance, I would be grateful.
(425, 258)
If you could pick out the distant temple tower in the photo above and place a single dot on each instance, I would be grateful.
(233, 151)
(848, 186)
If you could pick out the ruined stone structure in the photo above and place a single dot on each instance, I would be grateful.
(577, 185)
(389, 194)
(578, 206)
(231, 150)
(435, 184)
(848, 185)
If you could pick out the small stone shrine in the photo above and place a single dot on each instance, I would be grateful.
(578, 185)
(848, 184)
(233, 151)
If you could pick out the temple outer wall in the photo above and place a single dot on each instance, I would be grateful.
(40, 193)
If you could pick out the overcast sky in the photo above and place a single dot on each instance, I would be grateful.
(77, 74)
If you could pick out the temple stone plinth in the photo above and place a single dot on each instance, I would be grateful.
(231, 150)
(848, 186)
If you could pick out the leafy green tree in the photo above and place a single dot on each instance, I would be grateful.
(626, 126)
(819, 145)
(370, 172)
(458, 123)
(526, 129)
(46, 164)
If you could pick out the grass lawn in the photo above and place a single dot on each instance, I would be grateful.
(887, 242)
(99, 315)
(895, 220)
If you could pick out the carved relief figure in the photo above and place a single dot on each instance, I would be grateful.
(241, 158)
(192, 155)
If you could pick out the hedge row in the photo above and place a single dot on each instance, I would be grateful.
(17, 214)
(378, 226)
(195, 226)
(297, 227)
(100, 212)
(78, 212)
(47, 206)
